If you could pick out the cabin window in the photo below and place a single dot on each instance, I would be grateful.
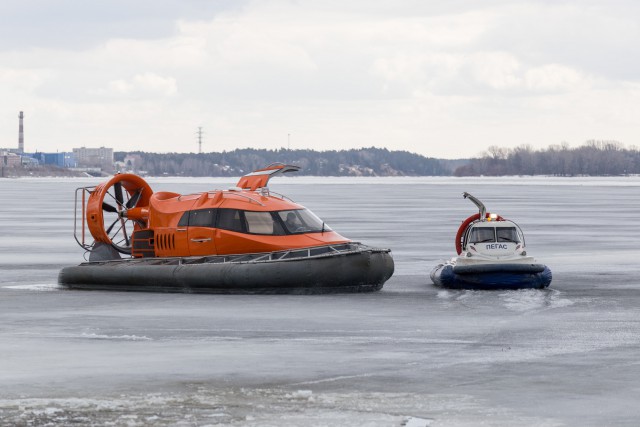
(507, 234)
(231, 219)
(202, 218)
(482, 235)
(302, 221)
(184, 220)
(262, 223)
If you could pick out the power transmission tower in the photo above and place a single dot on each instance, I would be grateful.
(199, 133)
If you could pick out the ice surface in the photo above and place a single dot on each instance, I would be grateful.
(411, 353)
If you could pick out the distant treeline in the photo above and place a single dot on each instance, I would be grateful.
(595, 158)
(355, 162)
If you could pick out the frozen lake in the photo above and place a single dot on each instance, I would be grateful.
(411, 354)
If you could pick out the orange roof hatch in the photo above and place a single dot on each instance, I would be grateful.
(260, 178)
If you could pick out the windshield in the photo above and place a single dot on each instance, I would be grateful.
(490, 234)
(507, 234)
(482, 235)
(302, 221)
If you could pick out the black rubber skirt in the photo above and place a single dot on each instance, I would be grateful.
(354, 268)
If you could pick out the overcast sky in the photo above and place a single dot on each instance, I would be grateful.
(441, 78)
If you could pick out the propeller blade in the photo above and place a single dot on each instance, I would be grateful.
(126, 237)
(107, 207)
(117, 189)
(111, 226)
(134, 199)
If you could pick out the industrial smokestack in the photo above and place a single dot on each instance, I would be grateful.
(21, 134)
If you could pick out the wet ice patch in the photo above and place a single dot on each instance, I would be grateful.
(533, 300)
(40, 287)
(462, 295)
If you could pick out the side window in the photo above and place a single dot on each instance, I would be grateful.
(231, 219)
(202, 218)
(262, 223)
(184, 220)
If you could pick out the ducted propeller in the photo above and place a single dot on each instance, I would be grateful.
(108, 206)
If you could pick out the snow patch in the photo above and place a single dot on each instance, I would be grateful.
(416, 422)
(331, 379)
(533, 300)
(301, 395)
(444, 294)
(277, 407)
(39, 287)
(116, 337)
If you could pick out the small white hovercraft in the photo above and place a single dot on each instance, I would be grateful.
(491, 255)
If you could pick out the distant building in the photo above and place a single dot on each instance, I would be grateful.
(8, 159)
(61, 160)
(70, 160)
(30, 162)
(94, 158)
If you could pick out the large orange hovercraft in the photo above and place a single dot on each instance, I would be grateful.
(243, 240)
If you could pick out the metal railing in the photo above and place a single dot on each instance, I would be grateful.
(293, 254)
(86, 191)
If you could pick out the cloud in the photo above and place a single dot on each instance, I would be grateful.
(147, 84)
(21, 80)
(591, 36)
(435, 78)
(80, 25)
(555, 78)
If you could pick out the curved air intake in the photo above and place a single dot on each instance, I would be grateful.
(478, 203)
(260, 178)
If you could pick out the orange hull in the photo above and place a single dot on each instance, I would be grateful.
(125, 213)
